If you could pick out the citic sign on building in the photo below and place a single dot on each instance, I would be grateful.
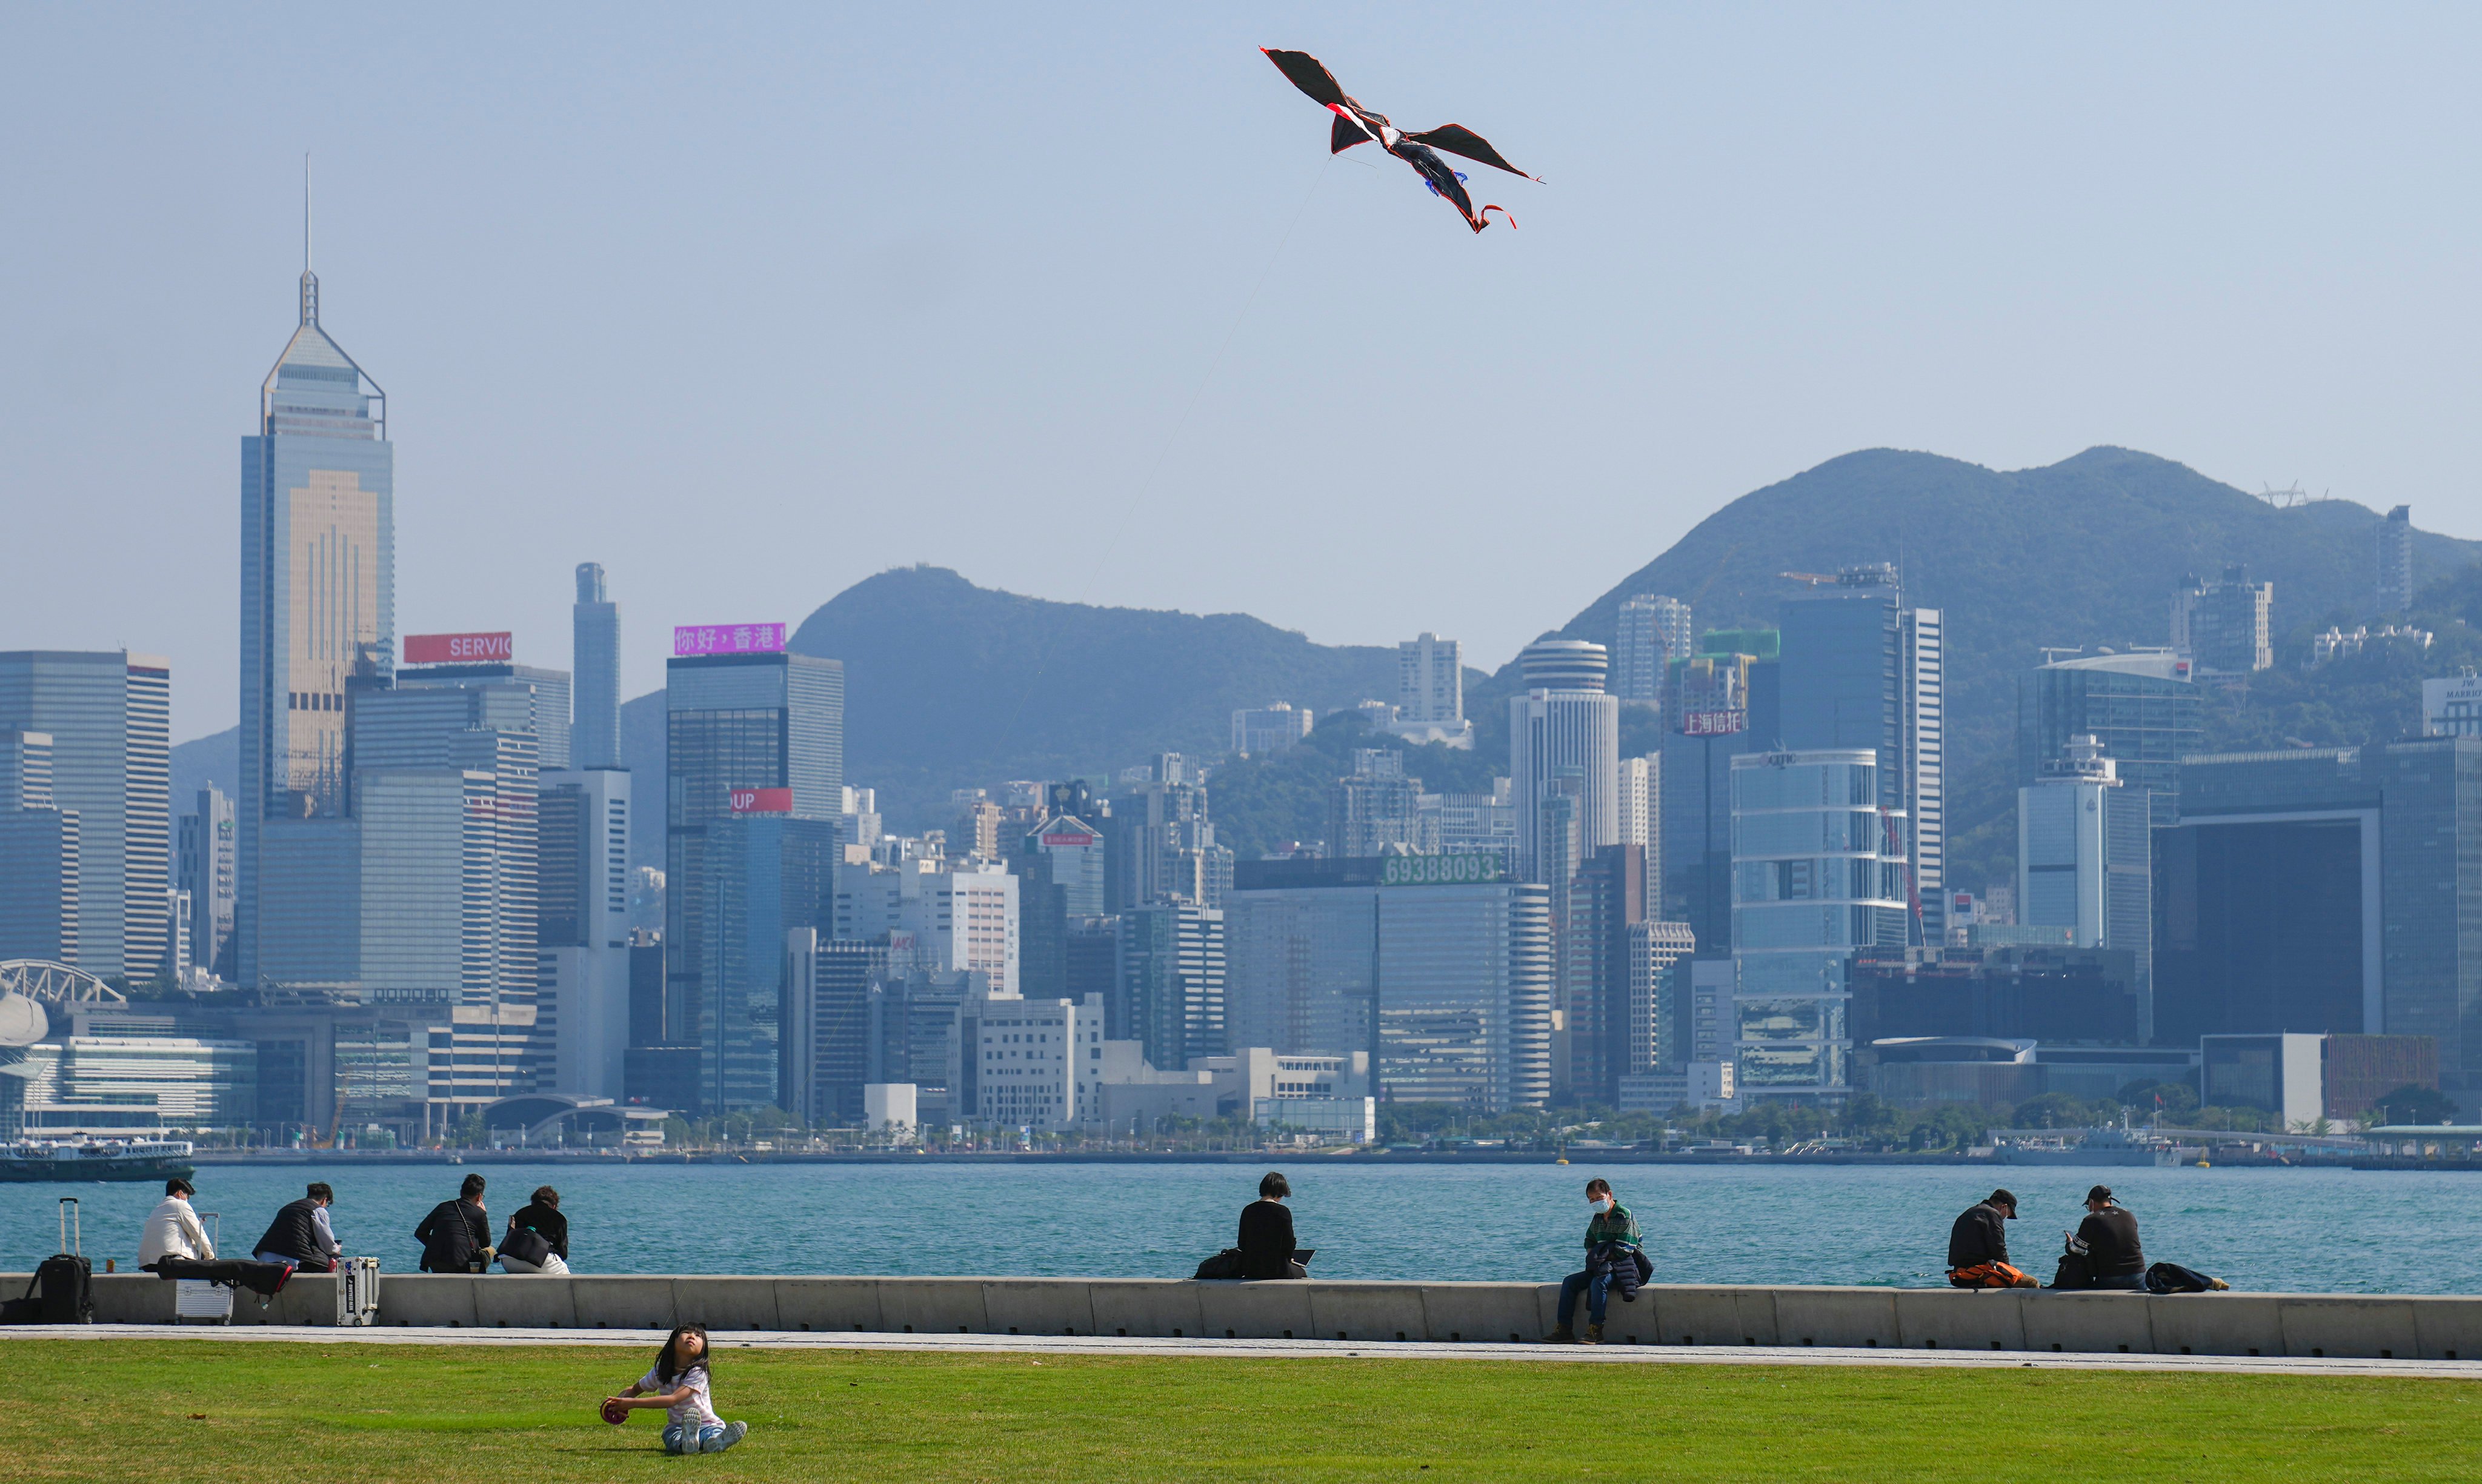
(761, 801)
(456, 648)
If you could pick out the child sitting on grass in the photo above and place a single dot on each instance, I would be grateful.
(678, 1383)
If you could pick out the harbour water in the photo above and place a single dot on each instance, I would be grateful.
(2288, 1229)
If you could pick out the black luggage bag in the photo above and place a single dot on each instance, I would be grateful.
(63, 1291)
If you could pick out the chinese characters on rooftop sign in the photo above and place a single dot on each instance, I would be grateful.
(455, 648)
(1713, 723)
(728, 638)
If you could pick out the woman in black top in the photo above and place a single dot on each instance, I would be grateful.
(1267, 1232)
(541, 1217)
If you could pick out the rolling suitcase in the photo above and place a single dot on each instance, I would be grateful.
(196, 1298)
(63, 1290)
(357, 1292)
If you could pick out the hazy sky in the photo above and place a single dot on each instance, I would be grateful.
(747, 304)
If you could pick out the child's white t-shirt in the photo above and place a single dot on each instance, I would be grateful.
(698, 1409)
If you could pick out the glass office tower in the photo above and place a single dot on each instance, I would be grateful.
(755, 722)
(318, 624)
(1818, 872)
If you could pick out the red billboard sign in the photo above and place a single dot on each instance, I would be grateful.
(1713, 723)
(762, 800)
(456, 648)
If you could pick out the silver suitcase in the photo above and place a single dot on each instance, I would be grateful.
(357, 1292)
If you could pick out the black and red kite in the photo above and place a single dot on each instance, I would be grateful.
(1356, 124)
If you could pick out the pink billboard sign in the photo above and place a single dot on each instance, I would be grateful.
(728, 638)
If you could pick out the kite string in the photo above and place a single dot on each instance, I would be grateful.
(1172, 434)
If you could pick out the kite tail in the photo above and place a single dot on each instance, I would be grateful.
(1481, 218)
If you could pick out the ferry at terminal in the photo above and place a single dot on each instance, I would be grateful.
(96, 1159)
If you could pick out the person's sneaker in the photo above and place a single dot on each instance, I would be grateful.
(1562, 1335)
(733, 1432)
(2219, 1286)
(1594, 1335)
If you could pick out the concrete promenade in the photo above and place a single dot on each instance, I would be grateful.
(1105, 1346)
(1993, 1324)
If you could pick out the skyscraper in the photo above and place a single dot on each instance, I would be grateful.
(595, 737)
(2326, 891)
(751, 731)
(2226, 626)
(1430, 681)
(1814, 877)
(2142, 706)
(1654, 632)
(1376, 806)
(2395, 561)
(204, 870)
(109, 716)
(1863, 670)
(1465, 988)
(318, 607)
(39, 857)
(1171, 996)
(2084, 862)
(582, 933)
(1565, 720)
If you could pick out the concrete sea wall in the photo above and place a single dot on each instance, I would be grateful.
(2238, 1324)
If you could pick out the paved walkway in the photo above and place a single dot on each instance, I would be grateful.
(1293, 1349)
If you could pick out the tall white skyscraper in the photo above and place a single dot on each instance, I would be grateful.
(1653, 630)
(318, 628)
(1566, 726)
(595, 737)
(1922, 754)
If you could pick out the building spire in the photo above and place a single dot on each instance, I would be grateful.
(310, 279)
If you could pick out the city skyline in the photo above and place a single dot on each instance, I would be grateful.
(438, 251)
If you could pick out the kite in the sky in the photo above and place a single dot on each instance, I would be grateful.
(1354, 124)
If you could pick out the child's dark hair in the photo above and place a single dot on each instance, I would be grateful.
(667, 1361)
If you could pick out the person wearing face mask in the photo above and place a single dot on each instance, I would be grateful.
(1614, 1252)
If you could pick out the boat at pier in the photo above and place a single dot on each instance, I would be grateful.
(96, 1159)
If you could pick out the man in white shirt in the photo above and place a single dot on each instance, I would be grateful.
(173, 1230)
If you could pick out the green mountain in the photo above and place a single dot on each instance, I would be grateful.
(2083, 552)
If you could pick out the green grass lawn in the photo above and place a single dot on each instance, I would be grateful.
(209, 1413)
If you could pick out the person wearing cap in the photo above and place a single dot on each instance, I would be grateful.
(173, 1230)
(2103, 1252)
(1977, 1246)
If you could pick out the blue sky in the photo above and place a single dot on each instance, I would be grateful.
(750, 305)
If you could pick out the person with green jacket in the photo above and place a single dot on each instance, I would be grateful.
(1613, 1242)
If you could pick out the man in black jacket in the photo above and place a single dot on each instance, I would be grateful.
(2103, 1250)
(456, 1237)
(300, 1233)
(1977, 1246)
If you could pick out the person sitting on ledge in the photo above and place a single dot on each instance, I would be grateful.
(174, 1245)
(1977, 1246)
(2102, 1251)
(1267, 1232)
(1613, 1256)
(456, 1237)
(300, 1233)
(538, 1237)
(173, 1230)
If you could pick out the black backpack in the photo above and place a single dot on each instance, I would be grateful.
(63, 1290)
